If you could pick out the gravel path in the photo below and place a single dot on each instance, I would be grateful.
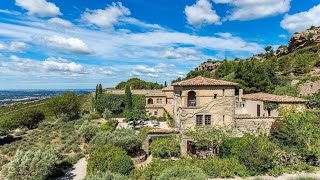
(78, 171)
(315, 175)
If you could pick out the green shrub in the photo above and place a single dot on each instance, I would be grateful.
(257, 153)
(31, 164)
(165, 147)
(101, 138)
(127, 139)
(224, 168)
(106, 176)
(94, 116)
(186, 173)
(110, 125)
(88, 131)
(230, 146)
(300, 133)
(109, 158)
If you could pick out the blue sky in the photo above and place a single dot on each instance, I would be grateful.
(59, 44)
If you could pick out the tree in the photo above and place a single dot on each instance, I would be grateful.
(268, 48)
(106, 176)
(135, 115)
(127, 139)
(100, 89)
(206, 137)
(30, 165)
(165, 147)
(165, 84)
(29, 119)
(299, 132)
(107, 114)
(287, 90)
(66, 106)
(128, 99)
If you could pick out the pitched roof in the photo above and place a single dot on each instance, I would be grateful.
(272, 98)
(203, 81)
(168, 88)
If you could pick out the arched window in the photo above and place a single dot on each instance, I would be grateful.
(192, 100)
(150, 101)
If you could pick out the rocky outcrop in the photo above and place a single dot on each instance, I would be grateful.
(282, 50)
(208, 66)
(302, 39)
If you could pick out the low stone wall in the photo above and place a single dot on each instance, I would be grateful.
(253, 125)
(139, 159)
(134, 91)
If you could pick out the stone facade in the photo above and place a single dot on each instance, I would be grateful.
(309, 88)
(157, 102)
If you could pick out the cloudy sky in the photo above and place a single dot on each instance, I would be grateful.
(58, 44)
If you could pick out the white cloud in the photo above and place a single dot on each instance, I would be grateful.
(201, 14)
(159, 70)
(73, 45)
(182, 53)
(136, 22)
(106, 18)
(62, 65)
(255, 9)
(13, 46)
(284, 36)
(301, 21)
(6, 11)
(60, 22)
(40, 8)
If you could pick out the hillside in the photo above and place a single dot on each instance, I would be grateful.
(297, 62)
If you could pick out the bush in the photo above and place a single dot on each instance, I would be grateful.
(110, 125)
(127, 139)
(94, 116)
(106, 176)
(300, 133)
(109, 158)
(31, 164)
(224, 168)
(88, 131)
(101, 138)
(186, 173)
(165, 147)
(257, 153)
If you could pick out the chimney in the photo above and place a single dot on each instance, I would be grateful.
(240, 94)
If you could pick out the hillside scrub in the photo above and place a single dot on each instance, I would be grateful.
(109, 158)
(178, 172)
(31, 164)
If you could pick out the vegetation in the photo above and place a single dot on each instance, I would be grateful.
(165, 147)
(136, 83)
(88, 130)
(31, 164)
(109, 158)
(178, 172)
(106, 176)
(65, 107)
(109, 126)
(314, 101)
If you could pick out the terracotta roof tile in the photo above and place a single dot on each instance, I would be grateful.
(169, 88)
(203, 81)
(272, 98)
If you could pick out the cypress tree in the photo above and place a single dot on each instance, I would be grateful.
(100, 89)
(97, 91)
(165, 84)
(128, 95)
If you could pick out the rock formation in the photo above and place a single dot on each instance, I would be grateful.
(302, 39)
(208, 66)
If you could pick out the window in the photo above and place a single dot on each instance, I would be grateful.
(223, 118)
(215, 96)
(269, 112)
(207, 120)
(156, 113)
(150, 101)
(199, 120)
(222, 92)
(258, 110)
(192, 100)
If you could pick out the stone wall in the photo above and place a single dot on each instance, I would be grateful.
(309, 88)
(134, 91)
(252, 125)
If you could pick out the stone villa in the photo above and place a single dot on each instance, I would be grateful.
(201, 102)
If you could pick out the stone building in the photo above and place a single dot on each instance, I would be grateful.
(159, 102)
(205, 102)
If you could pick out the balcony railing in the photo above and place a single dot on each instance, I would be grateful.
(192, 103)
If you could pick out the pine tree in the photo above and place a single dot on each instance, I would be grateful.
(128, 98)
